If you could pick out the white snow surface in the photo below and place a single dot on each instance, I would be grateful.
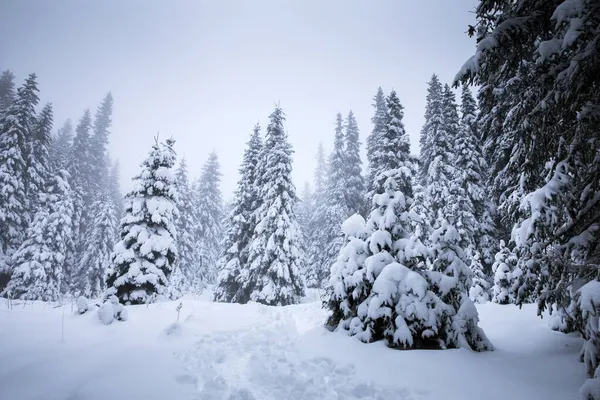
(245, 352)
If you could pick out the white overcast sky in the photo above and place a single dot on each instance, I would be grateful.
(207, 71)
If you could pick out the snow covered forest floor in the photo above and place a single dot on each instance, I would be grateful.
(244, 352)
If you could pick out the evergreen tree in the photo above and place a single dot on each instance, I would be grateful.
(374, 140)
(16, 125)
(60, 146)
(241, 222)
(354, 181)
(430, 131)
(536, 64)
(38, 163)
(210, 217)
(503, 278)
(7, 90)
(473, 172)
(450, 280)
(98, 142)
(438, 135)
(98, 247)
(190, 276)
(143, 259)
(275, 255)
(38, 263)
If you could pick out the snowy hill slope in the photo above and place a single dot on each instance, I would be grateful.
(244, 352)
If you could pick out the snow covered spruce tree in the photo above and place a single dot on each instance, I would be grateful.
(209, 205)
(473, 173)
(353, 179)
(433, 123)
(38, 263)
(332, 211)
(374, 141)
(304, 210)
(16, 125)
(543, 56)
(314, 274)
(38, 163)
(99, 244)
(241, 222)
(190, 278)
(143, 259)
(275, 259)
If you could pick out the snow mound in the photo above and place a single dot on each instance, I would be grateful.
(354, 226)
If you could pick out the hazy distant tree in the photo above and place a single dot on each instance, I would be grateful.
(143, 259)
(210, 216)
(98, 142)
(7, 89)
(114, 188)
(330, 212)
(191, 277)
(81, 181)
(60, 145)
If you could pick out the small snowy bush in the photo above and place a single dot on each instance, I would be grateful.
(112, 310)
(106, 313)
(82, 305)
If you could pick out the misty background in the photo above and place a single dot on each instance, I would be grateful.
(206, 72)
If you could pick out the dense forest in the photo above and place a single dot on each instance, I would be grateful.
(501, 204)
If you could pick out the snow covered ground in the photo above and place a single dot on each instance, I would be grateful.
(244, 352)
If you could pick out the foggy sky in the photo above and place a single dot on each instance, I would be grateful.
(206, 72)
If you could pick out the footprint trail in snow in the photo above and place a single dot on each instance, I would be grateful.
(264, 363)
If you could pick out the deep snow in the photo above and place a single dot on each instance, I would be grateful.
(244, 352)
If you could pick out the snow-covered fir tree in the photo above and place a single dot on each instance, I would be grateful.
(331, 212)
(433, 123)
(209, 205)
(353, 179)
(144, 257)
(16, 126)
(95, 260)
(190, 277)
(275, 260)
(439, 134)
(241, 222)
(7, 89)
(536, 64)
(473, 172)
(38, 263)
(374, 140)
(38, 162)
(503, 268)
